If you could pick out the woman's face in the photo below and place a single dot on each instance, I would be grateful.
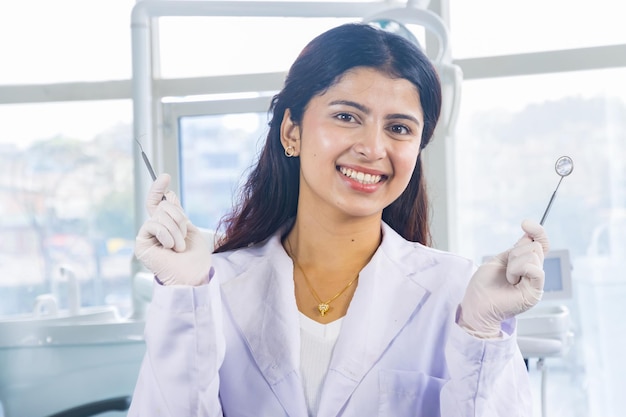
(358, 144)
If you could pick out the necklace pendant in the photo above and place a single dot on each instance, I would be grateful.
(323, 308)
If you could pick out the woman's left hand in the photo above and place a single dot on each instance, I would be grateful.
(507, 285)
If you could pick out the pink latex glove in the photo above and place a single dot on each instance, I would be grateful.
(168, 244)
(507, 285)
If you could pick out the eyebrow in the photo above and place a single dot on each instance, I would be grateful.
(367, 110)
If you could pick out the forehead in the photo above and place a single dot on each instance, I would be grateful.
(373, 86)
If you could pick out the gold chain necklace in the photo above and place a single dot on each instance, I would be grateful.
(323, 306)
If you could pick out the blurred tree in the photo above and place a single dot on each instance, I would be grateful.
(113, 215)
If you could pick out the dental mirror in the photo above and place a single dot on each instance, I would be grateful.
(564, 166)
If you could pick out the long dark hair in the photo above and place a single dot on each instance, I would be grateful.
(270, 196)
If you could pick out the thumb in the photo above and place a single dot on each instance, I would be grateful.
(157, 191)
(536, 233)
(534, 237)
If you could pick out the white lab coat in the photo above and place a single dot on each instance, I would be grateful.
(231, 347)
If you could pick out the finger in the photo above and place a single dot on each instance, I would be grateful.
(175, 211)
(145, 239)
(523, 262)
(160, 233)
(531, 294)
(168, 225)
(152, 234)
(524, 247)
(537, 233)
(157, 191)
(535, 277)
(500, 259)
(175, 221)
(172, 198)
(524, 240)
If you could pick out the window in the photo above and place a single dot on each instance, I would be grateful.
(510, 133)
(216, 152)
(66, 170)
(67, 191)
(234, 45)
(65, 41)
(492, 27)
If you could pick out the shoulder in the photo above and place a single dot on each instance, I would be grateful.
(256, 257)
(434, 269)
(418, 255)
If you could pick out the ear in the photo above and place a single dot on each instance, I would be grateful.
(290, 133)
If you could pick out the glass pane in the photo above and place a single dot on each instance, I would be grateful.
(216, 152)
(67, 200)
(494, 27)
(196, 46)
(64, 41)
(510, 133)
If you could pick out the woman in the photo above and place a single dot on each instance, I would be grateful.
(323, 297)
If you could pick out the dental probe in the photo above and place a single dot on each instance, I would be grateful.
(147, 162)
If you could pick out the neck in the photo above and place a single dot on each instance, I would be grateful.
(334, 246)
(328, 258)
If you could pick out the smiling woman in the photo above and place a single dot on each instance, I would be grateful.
(367, 125)
(322, 294)
(66, 198)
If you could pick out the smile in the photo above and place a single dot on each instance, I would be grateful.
(361, 177)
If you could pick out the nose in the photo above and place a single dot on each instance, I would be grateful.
(371, 144)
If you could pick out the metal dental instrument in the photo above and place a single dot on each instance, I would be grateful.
(564, 166)
(147, 162)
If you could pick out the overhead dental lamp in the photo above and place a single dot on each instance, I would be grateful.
(398, 20)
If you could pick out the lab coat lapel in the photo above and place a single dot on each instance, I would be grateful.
(262, 303)
(387, 296)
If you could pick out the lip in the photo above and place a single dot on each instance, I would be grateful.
(364, 170)
(359, 186)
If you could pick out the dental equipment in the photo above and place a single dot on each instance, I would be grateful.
(147, 162)
(564, 166)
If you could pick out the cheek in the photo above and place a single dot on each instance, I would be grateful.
(405, 163)
(323, 145)
(323, 139)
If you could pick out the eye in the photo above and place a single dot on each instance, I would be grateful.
(400, 129)
(345, 117)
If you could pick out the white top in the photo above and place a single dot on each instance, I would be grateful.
(317, 342)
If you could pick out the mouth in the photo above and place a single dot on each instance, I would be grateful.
(361, 177)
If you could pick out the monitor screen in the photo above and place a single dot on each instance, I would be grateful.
(554, 274)
(558, 269)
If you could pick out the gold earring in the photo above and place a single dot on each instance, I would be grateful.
(290, 151)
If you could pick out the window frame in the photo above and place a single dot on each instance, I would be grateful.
(545, 62)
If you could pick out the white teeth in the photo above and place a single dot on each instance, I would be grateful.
(361, 177)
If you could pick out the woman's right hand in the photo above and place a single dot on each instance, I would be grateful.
(168, 244)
